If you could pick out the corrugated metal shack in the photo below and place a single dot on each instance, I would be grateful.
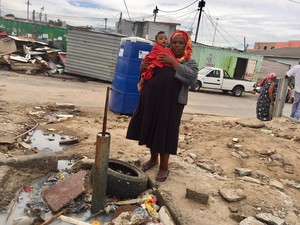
(238, 64)
(92, 53)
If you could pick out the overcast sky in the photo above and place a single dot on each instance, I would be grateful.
(255, 20)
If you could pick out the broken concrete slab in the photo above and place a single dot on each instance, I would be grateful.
(269, 218)
(232, 195)
(243, 171)
(65, 191)
(4, 171)
(9, 139)
(250, 221)
(199, 197)
(42, 161)
(165, 217)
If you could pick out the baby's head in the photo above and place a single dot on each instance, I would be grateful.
(161, 39)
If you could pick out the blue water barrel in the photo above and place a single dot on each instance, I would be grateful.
(124, 94)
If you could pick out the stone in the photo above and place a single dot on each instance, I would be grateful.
(165, 217)
(250, 221)
(192, 155)
(236, 140)
(276, 184)
(268, 218)
(199, 197)
(243, 172)
(242, 154)
(278, 158)
(232, 195)
(249, 179)
(253, 123)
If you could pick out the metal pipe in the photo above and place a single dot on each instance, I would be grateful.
(280, 97)
(100, 172)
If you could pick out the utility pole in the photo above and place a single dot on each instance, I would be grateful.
(105, 19)
(42, 9)
(201, 5)
(0, 8)
(119, 24)
(215, 32)
(28, 4)
(33, 15)
(155, 11)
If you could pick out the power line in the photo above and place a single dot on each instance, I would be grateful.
(212, 22)
(127, 10)
(178, 9)
(193, 20)
(294, 1)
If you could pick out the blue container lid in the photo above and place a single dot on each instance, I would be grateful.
(137, 39)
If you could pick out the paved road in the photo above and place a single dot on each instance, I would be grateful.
(216, 102)
(16, 87)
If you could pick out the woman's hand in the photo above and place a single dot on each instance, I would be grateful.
(164, 58)
(144, 65)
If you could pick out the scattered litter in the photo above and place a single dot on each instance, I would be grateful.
(264, 131)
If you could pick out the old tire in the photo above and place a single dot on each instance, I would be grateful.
(237, 91)
(196, 86)
(125, 180)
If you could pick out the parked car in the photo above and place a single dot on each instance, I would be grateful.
(217, 78)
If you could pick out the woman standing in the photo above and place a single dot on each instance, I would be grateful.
(155, 122)
(266, 99)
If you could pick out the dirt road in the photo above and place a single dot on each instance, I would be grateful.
(212, 149)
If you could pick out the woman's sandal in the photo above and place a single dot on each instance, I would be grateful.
(162, 176)
(148, 165)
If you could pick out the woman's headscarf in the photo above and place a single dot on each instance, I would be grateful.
(271, 76)
(188, 48)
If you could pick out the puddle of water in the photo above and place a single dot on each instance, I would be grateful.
(35, 195)
(48, 141)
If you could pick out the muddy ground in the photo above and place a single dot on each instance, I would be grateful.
(211, 148)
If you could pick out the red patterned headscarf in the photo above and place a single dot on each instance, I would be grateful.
(188, 48)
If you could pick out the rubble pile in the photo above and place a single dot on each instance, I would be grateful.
(29, 55)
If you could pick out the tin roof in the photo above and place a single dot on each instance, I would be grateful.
(280, 52)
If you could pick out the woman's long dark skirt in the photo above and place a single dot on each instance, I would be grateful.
(155, 122)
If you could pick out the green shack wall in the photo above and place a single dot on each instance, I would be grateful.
(223, 58)
(36, 31)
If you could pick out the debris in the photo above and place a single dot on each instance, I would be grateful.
(51, 129)
(264, 131)
(64, 116)
(27, 188)
(199, 197)
(236, 140)
(64, 105)
(55, 216)
(72, 221)
(243, 171)
(288, 168)
(269, 219)
(23, 220)
(127, 218)
(65, 191)
(69, 141)
(165, 217)
(13, 205)
(25, 145)
(232, 195)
